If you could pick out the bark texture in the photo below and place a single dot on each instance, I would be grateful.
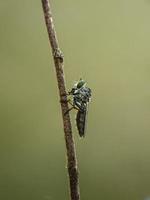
(59, 62)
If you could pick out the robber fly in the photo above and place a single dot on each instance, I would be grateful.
(80, 98)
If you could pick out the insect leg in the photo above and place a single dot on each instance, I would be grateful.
(64, 98)
(73, 107)
(68, 110)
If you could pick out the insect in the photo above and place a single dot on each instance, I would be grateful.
(80, 98)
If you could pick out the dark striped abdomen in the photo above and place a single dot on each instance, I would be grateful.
(80, 121)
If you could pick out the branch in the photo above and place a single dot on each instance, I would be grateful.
(58, 60)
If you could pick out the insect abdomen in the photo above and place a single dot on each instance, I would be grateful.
(80, 121)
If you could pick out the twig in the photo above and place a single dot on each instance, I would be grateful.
(58, 60)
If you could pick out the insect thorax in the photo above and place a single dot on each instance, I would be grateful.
(81, 97)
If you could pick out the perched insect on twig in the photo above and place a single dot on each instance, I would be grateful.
(80, 98)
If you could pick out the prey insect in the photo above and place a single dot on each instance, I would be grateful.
(80, 98)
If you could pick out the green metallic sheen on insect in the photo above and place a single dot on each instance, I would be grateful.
(80, 83)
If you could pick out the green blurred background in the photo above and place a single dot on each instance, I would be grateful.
(108, 44)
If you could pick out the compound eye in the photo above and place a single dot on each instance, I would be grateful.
(80, 84)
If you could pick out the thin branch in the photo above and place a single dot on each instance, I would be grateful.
(58, 60)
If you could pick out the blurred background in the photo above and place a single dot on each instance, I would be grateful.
(105, 42)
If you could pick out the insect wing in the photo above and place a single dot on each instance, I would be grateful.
(81, 121)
